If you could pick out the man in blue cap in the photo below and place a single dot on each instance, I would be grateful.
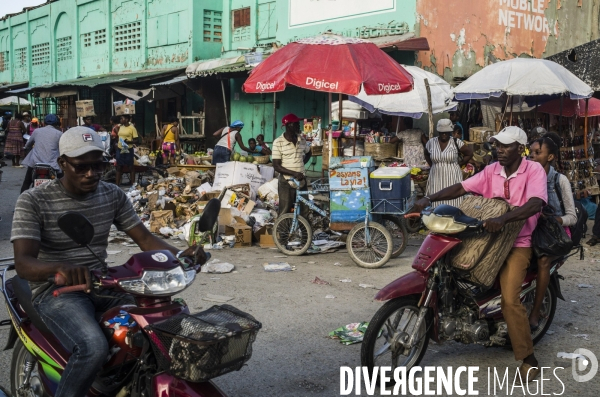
(229, 136)
(45, 149)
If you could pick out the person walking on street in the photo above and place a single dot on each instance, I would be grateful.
(14, 139)
(127, 136)
(229, 137)
(45, 149)
(170, 144)
(442, 154)
(523, 184)
(289, 156)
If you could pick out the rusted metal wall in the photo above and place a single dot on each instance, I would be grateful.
(466, 35)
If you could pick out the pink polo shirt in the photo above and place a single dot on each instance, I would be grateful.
(528, 182)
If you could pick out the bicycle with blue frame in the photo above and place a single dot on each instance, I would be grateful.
(292, 232)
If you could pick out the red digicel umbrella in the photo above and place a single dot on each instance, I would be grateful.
(571, 107)
(330, 63)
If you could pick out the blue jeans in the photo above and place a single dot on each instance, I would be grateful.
(72, 319)
(221, 155)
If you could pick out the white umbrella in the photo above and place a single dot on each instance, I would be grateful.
(413, 103)
(522, 77)
(14, 101)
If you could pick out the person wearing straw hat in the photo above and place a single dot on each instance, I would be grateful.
(442, 154)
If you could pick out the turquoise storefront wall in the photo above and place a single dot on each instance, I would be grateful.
(68, 39)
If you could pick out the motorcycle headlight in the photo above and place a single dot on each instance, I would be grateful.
(442, 224)
(159, 282)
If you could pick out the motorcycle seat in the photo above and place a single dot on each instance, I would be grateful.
(466, 220)
(23, 293)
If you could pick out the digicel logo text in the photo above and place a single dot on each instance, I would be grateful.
(387, 88)
(265, 86)
(318, 84)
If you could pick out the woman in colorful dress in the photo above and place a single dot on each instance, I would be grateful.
(14, 140)
(442, 154)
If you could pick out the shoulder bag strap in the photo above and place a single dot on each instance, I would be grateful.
(558, 191)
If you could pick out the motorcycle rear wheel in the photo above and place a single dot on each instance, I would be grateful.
(385, 326)
(20, 357)
(547, 312)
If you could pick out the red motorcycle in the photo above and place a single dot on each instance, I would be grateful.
(436, 302)
(156, 347)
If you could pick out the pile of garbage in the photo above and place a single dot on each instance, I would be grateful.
(169, 207)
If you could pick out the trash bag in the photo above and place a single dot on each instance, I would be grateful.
(549, 237)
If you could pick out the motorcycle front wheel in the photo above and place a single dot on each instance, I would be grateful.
(21, 360)
(395, 321)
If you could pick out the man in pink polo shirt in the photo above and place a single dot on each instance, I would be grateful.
(521, 183)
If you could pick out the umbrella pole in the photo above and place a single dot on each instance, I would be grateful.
(330, 137)
(560, 115)
(429, 108)
(224, 102)
(512, 102)
(18, 104)
(341, 110)
(585, 128)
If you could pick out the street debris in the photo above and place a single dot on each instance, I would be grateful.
(346, 280)
(278, 267)
(217, 298)
(317, 280)
(329, 297)
(366, 286)
(583, 336)
(216, 266)
(113, 252)
(350, 334)
(572, 356)
(337, 264)
(585, 286)
(550, 332)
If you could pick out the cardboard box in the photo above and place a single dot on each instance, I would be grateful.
(237, 173)
(85, 108)
(242, 233)
(124, 109)
(266, 241)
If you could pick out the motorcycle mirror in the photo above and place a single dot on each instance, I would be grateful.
(77, 227)
(487, 146)
(209, 216)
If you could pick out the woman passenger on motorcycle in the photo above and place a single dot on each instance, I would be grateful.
(545, 150)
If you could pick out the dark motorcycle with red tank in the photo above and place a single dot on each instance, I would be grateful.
(157, 348)
(436, 301)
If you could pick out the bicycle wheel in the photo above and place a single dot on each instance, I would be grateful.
(397, 229)
(372, 254)
(289, 242)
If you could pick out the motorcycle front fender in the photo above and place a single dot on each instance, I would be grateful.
(165, 385)
(409, 284)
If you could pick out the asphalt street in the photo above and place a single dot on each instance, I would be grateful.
(293, 355)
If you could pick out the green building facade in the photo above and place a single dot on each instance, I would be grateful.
(69, 39)
(262, 25)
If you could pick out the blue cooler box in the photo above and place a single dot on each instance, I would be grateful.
(390, 189)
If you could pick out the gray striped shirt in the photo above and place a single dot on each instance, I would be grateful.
(37, 212)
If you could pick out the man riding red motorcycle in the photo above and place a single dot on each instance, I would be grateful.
(42, 251)
(521, 183)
